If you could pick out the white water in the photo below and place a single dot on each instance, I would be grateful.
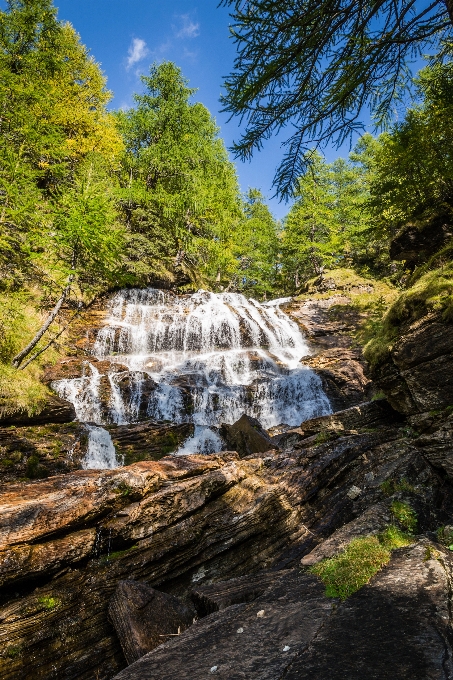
(212, 356)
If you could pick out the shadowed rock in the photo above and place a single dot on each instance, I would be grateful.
(144, 618)
(247, 436)
(56, 410)
(251, 641)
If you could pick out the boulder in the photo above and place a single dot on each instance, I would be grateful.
(396, 627)
(144, 618)
(247, 436)
(55, 410)
(258, 640)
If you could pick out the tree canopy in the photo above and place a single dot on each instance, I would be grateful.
(315, 66)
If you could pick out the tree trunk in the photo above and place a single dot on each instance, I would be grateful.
(449, 5)
(16, 362)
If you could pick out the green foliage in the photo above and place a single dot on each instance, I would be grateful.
(328, 225)
(405, 515)
(179, 192)
(49, 602)
(256, 247)
(313, 67)
(349, 571)
(392, 486)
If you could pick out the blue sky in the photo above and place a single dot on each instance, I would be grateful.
(125, 37)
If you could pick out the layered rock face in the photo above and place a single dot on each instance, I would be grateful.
(329, 325)
(185, 522)
(418, 375)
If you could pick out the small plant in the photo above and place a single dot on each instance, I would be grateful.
(391, 486)
(378, 395)
(349, 571)
(445, 536)
(405, 515)
(13, 652)
(123, 489)
(323, 437)
(49, 602)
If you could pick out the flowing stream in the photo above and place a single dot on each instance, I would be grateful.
(205, 358)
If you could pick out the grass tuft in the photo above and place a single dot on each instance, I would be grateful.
(349, 571)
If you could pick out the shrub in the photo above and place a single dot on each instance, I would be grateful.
(405, 515)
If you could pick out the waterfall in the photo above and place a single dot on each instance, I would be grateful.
(209, 358)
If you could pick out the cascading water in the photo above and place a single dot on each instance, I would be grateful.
(210, 357)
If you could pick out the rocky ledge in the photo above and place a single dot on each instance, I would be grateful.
(185, 526)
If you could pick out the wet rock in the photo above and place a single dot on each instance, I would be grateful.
(144, 618)
(149, 440)
(78, 367)
(368, 415)
(418, 375)
(330, 324)
(254, 641)
(247, 436)
(55, 410)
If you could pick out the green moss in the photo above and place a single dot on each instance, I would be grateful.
(13, 652)
(431, 292)
(391, 486)
(349, 571)
(405, 515)
(34, 469)
(117, 554)
(123, 489)
(49, 602)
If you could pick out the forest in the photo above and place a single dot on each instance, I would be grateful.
(94, 199)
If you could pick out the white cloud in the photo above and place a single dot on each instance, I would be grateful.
(188, 28)
(136, 52)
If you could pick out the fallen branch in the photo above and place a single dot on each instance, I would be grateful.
(16, 362)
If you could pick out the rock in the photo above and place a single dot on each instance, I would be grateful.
(18, 563)
(258, 640)
(418, 375)
(415, 244)
(370, 522)
(369, 415)
(55, 410)
(183, 524)
(247, 436)
(40, 451)
(149, 440)
(78, 367)
(437, 446)
(144, 618)
(397, 627)
(223, 594)
(329, 325)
